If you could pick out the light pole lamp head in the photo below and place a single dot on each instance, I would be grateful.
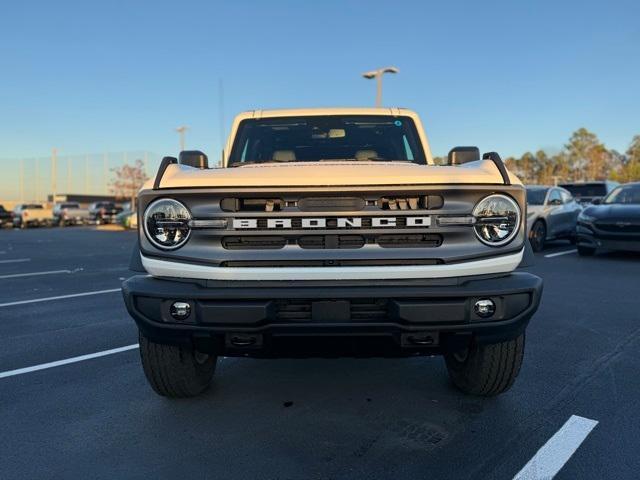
(379, 72)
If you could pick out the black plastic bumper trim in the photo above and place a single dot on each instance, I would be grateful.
(238, 307)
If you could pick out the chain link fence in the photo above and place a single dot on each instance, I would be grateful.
(33, 180)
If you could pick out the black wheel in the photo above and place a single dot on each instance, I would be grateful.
(586, 251)
(538, 235)
(486, 370)
(176, 372)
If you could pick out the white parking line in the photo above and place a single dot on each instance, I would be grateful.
(557, 254)
(66, 361)
(33, 274)
(61, 297)
(16, 260)
(552, 456)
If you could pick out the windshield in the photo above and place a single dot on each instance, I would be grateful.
(335, 137)
(536, 196)
(588, 190)
(626, 194)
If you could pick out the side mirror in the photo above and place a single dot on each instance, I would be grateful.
(596, 200)
(193, 158)
(555, 201)
(460, 155)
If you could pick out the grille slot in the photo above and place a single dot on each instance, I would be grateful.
(331, 241)
(254, 242)
(252, 204)
(431, 202)
(361, 309)
(409, 241)
(331, 204)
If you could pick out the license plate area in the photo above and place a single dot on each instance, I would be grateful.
(331, 311)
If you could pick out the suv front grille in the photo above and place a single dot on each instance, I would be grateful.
(621, 226)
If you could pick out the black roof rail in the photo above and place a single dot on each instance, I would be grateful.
(164, 164)
(495, 158)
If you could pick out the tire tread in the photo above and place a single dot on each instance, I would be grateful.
(488, 370)
(172, 370)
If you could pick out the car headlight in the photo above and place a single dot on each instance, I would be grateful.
(166, 224)
(497, 220)
(586, 218)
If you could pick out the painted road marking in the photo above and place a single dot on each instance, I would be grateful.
(66, 361)
(61, 297)
(34, 274)
(557, 254)
(552, 456)
(17, 260)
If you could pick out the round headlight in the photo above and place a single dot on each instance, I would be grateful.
(497, 220)
(166, 224)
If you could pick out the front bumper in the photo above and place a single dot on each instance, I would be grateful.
(366, 318)
(589, 236)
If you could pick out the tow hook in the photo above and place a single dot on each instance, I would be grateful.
(244, 340)
(423, 339)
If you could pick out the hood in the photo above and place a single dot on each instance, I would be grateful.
(340, 173)
(614, 211)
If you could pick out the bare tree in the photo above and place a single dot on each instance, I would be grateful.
(128, 181)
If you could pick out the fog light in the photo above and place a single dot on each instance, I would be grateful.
(180, 310)
(484, 308)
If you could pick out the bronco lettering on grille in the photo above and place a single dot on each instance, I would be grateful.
(320, 222)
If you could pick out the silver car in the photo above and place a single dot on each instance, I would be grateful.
(552, 213)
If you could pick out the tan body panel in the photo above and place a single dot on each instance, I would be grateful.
(313, 174)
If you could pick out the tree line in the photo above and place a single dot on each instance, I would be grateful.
(583, 158)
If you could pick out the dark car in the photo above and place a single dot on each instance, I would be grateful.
(6, 218)
(613, 223)
(104, 212)
(586, 192)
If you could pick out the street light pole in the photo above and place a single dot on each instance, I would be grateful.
(22, 180)
(54, 175)
(377, 74)
(181, 131)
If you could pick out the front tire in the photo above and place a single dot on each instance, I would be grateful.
(486, 370)
(176, 372)
(538, 235)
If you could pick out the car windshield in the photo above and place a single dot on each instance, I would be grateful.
(536, 196)
(588, 190)
(625, 194)
(333, 137)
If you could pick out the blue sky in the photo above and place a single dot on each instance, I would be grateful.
(109, 76)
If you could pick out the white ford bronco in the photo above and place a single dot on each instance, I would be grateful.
(331, 232)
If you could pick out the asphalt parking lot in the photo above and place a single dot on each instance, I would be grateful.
(301, 419)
